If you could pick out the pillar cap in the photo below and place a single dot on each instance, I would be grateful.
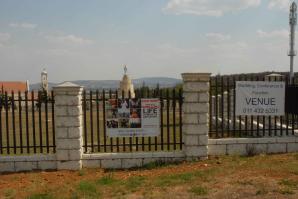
(196, 77)
(67, 86)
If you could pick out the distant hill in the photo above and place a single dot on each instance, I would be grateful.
(164, 82)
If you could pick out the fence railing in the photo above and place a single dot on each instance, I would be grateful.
(27, 123)
(223, 121)
(95, 132)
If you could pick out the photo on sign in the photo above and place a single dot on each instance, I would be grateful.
(124, 123)
(135, 118)
(123, 108)
(112, 123)
(123, 104)
(135, 103)
(112, 104)
(112, 113)
(123, 114)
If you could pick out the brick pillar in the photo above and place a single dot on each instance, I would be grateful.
(195, 115)
(68, 126)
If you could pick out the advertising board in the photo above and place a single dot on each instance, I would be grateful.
(133, 117)
(260, 98)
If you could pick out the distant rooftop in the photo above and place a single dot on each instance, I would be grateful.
(13, 86)
(275, 75)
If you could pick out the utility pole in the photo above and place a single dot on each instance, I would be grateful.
(292, 52)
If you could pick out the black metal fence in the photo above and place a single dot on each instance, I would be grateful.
(223, 121)
(27, 123)
(95, 133)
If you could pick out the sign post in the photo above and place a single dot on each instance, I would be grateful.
(260, 98)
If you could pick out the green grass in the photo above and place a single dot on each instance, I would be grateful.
(288, 186)
(107, 180)
(186, 177)
(41, 196)
(261, 191)
(288, 183)
(88, 189)
(10, 193)
(155, 164)
(81, 173)
(286, 191)
(134, 182)
(172, 179)
(198, 190)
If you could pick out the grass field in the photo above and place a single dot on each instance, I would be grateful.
(263, 176)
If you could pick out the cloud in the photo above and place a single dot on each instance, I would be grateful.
(283, 33)
(208, 7)
(217, 36)
(279, 4)
(23, 25)
(69, 39)
(4, 37)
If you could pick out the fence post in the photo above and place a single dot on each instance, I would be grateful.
(195, 118)
(68, 126)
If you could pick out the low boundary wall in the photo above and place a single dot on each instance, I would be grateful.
(227, 146)
(28, 163)
(129, 160)
(100, 160)
(246, 146)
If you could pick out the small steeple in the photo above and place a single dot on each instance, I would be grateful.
(44, 80)
(44, 71)
(126, 85)
(125, 69)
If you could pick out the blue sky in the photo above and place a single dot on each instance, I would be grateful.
(77, 39)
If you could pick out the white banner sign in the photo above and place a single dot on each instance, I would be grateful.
(260, 98)
(133, 117)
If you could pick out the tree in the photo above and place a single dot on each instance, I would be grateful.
(43, 97)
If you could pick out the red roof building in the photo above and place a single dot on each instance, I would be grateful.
(14, 86)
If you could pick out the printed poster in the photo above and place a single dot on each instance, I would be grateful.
(133, 117)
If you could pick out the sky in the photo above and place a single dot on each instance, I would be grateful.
(93, 39)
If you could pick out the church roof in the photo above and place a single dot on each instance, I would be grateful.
(10, 86)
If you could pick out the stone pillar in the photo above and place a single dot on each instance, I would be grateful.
(68, 126)
(195, 115)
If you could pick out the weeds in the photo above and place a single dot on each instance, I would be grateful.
(198, 190)
(87, 188)
(106, 180)
(174, 179)
(261, 191)
(288, 183)
(41, 196)
(251, 150)
(286, 191)
(135, 182)
(10, 193)
(81, 173)
(288, 186)
(155, 164)
(245, 182)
